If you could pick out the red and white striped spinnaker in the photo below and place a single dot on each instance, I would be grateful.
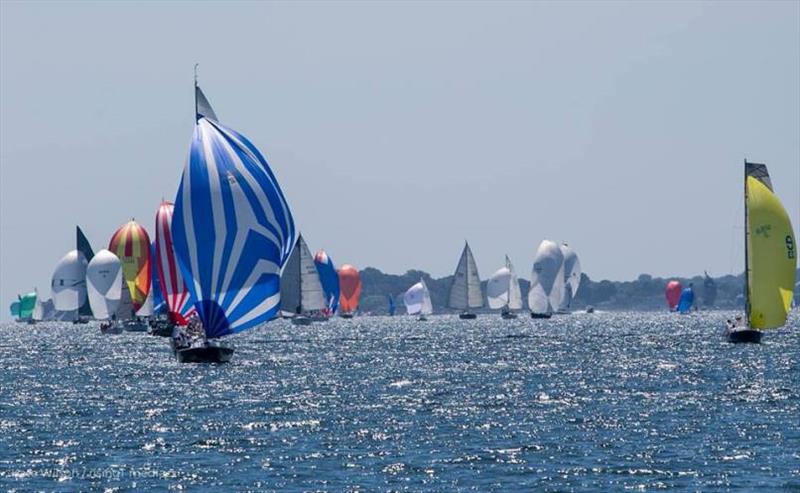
(179, 304)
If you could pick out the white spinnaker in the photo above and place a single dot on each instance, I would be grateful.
(547, 278)
(572, 276)
(68, 284)
(515, 292)
(503, 288)
(104, 284)
(465, 292)
(417, 299)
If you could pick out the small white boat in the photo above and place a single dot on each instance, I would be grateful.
(465, 291)
(418, 300)
(503, 291)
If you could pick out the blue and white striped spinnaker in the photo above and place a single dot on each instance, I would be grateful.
(232, 228)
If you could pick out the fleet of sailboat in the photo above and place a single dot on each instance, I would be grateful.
(226, 258)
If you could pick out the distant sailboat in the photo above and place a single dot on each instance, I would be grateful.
(83, 246)
(503, 291)
(686, 301)
(418, 300)
(709, 291)
(104, 287)
(465, 291)
(302, 296)
(329, 279)
(38, 308)
(547, 280)
(23, 308)
(673, 294)
(177, 299)
(232, 232)
(770, 258)
(572, 277)
(350, 284)
(392, 308)
(68, 284)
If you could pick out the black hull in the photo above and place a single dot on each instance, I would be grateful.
(207, 354)
(467, 316)
(508, 315)
(301, 320)
(346, 315)
(747, 335)
(541, 315)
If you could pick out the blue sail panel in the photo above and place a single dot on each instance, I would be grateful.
(686, 301)
(329, 279)
(232, 231)
(391, 304)
(159, 304)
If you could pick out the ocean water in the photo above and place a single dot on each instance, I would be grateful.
(601, 402)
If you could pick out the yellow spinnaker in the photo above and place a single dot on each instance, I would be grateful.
(771, 257)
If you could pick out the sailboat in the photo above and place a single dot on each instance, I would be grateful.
(709, 291)
(572, 278)
(391, 309)
(167, 274)
(686, 301)
(465, 291)
(329, 279)
(232, 232)
(547, 280)
(770, 258)
(23, 308)
(131, 244)
(503, 291)
(350, 284)
(673, 294)
(104, 288)
(85, 248)
(418, 300)
(38, 308)
(302, 297)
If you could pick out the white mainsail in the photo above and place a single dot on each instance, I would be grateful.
(572, 276)
(104, 284)
(465, 292)
(68, 284)
(125, 308)
(301, 289)
(418, 299)
(503, 289)
(38, 309)
(547, 278)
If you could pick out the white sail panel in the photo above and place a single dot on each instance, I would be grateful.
(301, 288)
(125, 308)
(514, 291)
(68, 284)
(104, 284)
(465, 291)
(38, 309)
(498, 288)
(572, 276)
(417, 299)
(548, 274)
(427, 304)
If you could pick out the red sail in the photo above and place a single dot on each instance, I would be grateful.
(673, 293)
(173, 286)
(132, 245)
(350, 285)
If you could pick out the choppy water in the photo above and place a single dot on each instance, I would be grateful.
(583, 402)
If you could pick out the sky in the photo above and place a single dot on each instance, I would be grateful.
(398, 130)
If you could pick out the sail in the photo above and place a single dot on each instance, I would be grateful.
(465, 291)
(125, 309)
(38, 308)
(771, 252)
(329, 279)
(14, 309)
(502, 289)
(104, 284)
(83, 246)
(709, 291)
(392, 308)
(686, 300)
(350, 283)
(68, 284)
(159, 305)
(572, 276)
(131, 245)
(148, 307)
(673, 294)
(418, 300)
(547, 278)
(232, 228)
(27, 302)
(301, 289)
(170, 279)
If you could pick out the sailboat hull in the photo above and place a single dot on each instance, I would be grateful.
(204, 354)
(467, 316)
(301, 320)
(745, 335)
(540, 315)
(346, 315)
(508, 315)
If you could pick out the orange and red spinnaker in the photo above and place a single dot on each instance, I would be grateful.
(673, 293)
(350, 284)
(132, 245)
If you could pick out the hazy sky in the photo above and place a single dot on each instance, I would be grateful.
(397, 130)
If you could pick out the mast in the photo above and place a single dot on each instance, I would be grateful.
(746, 252)
(195, 91)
